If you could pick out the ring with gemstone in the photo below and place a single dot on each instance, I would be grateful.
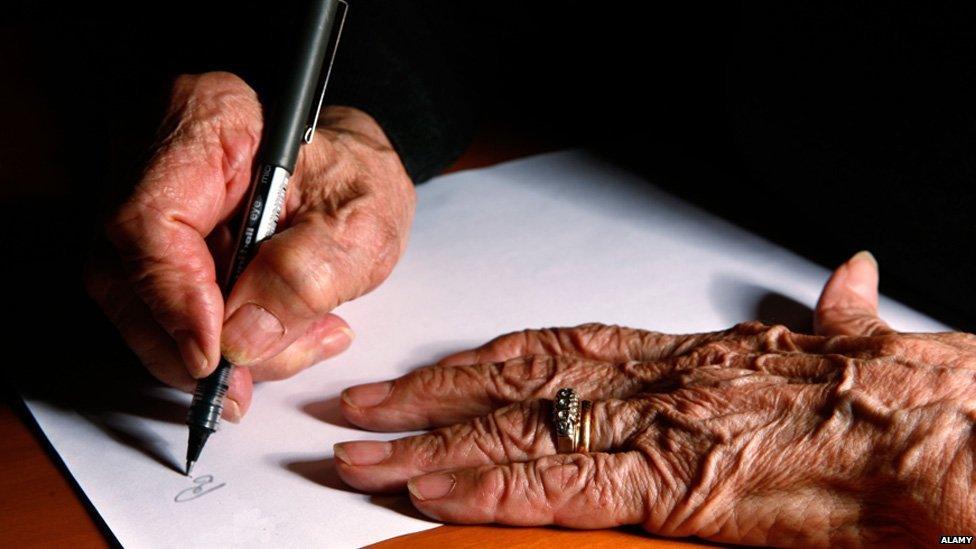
(566, 420)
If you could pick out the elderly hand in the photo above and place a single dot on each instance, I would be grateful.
(342, 228)
(754, 435)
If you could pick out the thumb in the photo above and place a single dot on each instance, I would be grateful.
(346, 217)
(295, 279)
(849, 302)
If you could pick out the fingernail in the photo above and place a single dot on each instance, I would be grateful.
(193, 356)
(232, 411)
(367, 395)
(431, 486)
(363, 452)
(337, 341)
(861, 279)
(250, 333)
(867, 256)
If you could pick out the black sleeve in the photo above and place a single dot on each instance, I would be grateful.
(109, 70)
(398, 61)
(411, 64)
(404, 63)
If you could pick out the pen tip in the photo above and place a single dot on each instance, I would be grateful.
(189, 467)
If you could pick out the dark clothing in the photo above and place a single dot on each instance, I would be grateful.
(827, 127)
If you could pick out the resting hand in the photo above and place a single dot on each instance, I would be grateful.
(342, 228)
(753, 435)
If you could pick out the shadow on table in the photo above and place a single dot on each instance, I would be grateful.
(732, 294)
(327, 411)
(322, 471)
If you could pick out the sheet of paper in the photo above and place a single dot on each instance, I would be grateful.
(554, 240)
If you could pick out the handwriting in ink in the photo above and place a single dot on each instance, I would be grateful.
(203, 484)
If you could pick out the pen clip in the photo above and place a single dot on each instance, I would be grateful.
(313, 115)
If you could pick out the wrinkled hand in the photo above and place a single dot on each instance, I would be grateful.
(343, 226)
(754, 435)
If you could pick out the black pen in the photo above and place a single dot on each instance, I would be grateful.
(291, 122)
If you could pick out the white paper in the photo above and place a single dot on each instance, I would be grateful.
(554, 240)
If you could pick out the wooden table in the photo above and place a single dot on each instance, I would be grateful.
(39, 505)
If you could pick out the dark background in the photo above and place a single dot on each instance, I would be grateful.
(827, 127)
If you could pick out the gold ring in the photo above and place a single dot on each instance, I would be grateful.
(566, 419)
(586, 419)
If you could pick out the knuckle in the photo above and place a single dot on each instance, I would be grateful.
(510, 344)
(366, 244)
(207, 84)
(619, 337)
(750, 328)
(567, 476)
(202, 104)
(714, 353)
(301, 271)
(386, 247)
(518, 430)
(670, 345)
(539, 368)
(519, 378)
(598, 491)
(502, 384)
(437, 380)
(223, 79)
(497, 485)
(429, 450)
(647, 340)
(776, 338)
(587, 338)
(488, 438)
(548, 341)
(893, 345)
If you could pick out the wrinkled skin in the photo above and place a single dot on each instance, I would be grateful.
(342, 228)
(858, 435)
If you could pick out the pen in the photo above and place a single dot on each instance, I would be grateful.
(292, 121)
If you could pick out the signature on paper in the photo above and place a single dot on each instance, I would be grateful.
(203, 484)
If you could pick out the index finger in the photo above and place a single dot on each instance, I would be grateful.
(193, 182)
(574, 490)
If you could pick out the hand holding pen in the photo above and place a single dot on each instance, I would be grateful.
(156, 274)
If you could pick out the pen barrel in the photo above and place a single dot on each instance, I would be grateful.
(258, 223)
(260, 220)
(288, 116)
(284, 132)
(208, 399)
